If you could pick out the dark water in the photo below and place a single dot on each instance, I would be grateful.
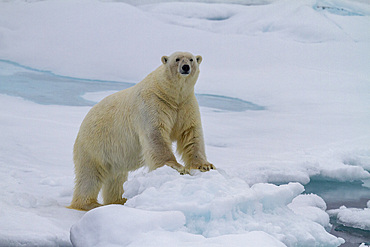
(350, 194)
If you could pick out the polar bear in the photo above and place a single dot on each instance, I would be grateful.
(136, 127)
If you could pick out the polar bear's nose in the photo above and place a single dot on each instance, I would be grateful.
(185, 68)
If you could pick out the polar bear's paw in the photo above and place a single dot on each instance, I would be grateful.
(84, 205)
(205, 167)
(187, 169)
(181, 169)
(121, 201)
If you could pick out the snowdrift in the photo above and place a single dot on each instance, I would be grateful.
(205, 209)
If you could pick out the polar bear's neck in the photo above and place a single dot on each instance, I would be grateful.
(176, 88)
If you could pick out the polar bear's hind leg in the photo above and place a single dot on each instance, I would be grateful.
(87, 186)
(113, 188)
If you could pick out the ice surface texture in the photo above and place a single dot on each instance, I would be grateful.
(207, 208)
(353, 217)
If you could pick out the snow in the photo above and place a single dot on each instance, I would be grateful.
(299, 70)
(312, 207)
(353, 217)
(113, 221)
(97, 96)
(211, 205)
(36, 172)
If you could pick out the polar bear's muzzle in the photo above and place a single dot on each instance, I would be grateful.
(185, 69)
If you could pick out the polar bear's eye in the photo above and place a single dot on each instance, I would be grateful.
(191, 60)
(177, 59)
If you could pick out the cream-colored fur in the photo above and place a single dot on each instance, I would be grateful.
(136, 127)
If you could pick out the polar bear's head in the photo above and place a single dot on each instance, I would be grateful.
(182, 64)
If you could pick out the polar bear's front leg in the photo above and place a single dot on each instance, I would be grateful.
(189, 137)
(190, 145)
(157, 151)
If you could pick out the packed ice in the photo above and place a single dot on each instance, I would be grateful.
(212, 205)
(353, 217)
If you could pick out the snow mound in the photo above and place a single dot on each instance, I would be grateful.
(208, 206)
(353, 217)
(302, 22)
(123, 226)
(311, 207)
(102, 226)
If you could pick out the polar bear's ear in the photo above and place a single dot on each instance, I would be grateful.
(164, 59)
(199, 59)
